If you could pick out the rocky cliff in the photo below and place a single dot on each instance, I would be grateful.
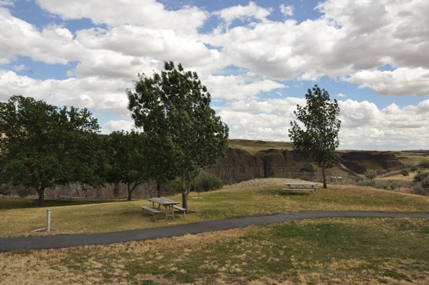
(239, 165)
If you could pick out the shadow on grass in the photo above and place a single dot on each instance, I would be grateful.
(6, 204)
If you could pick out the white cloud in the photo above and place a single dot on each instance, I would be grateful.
(119, 12)
(399, 82)
(244, 13)
(89, 92)
(286, 10)
(112, 126)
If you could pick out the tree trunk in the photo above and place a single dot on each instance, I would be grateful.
(184, 195)
(41, 193)
(130, 193)
(158, 188)
(324, 177)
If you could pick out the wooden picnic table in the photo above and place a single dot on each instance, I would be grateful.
(304, 187)
(169, 206)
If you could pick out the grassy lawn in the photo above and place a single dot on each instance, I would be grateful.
(330, 251)
(216, 205)
(322, 251)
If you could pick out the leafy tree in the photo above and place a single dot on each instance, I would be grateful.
(43, 146)
(370, 174)
(173, 108)
(127, 163)
(316, 134)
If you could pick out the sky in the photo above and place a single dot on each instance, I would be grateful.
(257, 59)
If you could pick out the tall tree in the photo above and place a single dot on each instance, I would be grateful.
(316, 132)
(127, 162)
(43, 146)
(173, 108)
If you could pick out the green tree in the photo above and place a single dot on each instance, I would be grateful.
(127, 162)
(370, 174)
(173, 108)
(43, 146)
(316, 132)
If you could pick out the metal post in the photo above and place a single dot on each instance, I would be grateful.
(48, 220)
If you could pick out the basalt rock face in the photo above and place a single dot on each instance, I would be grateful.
(239, 165)
(355, 160)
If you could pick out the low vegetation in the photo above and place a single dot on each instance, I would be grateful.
(215, 205)
(320, 251)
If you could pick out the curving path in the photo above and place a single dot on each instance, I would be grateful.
(62, 241)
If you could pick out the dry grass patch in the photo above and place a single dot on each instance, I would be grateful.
(216, 205)
(330, 251)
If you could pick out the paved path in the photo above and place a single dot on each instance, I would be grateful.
(62, 241)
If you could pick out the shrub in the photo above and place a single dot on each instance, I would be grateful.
(366, 183)
(425, 183)
(424, 163)
(420, 176)
(175, 186)
(370, 174)
(413, 168)
(23, 191)
(207, 181)
(420, 190)
(393, 185)
(405, 172)
(382, 184)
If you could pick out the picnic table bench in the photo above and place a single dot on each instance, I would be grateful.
(309, 188)
(169, 206)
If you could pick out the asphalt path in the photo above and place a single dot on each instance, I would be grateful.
(63, 241)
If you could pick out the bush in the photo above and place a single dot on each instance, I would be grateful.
(382, 185)
(23, 191)
(424, 163)
(425, 183)
(393, 185)
(413, 168)
(405, 172)
(207, 181)
(366, 183)
(420, 176)
(370, 174)
(420, 190)
(175, 186)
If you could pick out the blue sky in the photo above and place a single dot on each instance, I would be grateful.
(257, 58)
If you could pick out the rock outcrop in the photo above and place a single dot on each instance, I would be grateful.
(239, 165)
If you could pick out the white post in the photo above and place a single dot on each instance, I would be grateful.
(48, 220)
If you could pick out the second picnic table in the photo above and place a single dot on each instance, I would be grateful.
(300, 187)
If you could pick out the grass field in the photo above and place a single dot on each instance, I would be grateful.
(323, 251)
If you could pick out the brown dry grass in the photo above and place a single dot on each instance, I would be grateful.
(258, 197)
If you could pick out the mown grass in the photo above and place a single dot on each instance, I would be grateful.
(216, 205)
(329, 251)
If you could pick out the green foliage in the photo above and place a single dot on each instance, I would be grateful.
(413, 168)
(420, 190)
(405, 172)
(184, 133)
(319, 136)
(175, 186)
(5, 190)
(207, 181)
(425, 183)
(366, 183)
(127, 160)
(23, 191)
(370, 174)
(393, 185)
(44, 146)
(424, 163)
(420, 176)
